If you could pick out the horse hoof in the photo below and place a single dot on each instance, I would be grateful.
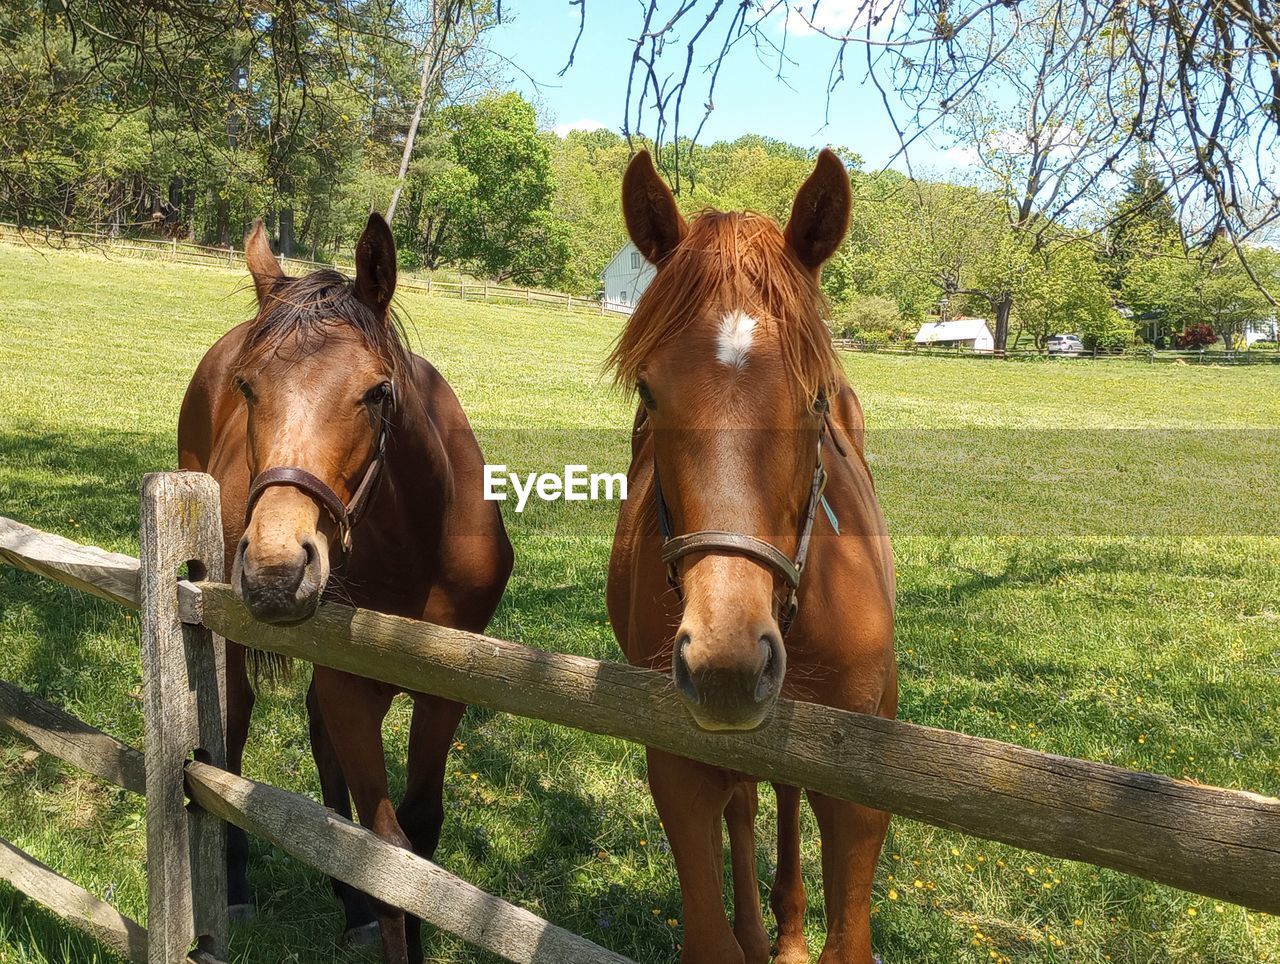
(241, 913)
(362, 936)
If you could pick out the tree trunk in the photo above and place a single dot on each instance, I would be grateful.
(428, 62)
(1004, 308)
(223, 229)
(285, 216)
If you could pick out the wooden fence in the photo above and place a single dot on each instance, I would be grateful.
(185, 252)
(1220, 843)
(1268, 355)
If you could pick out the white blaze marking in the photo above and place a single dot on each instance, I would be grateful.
(737, 329)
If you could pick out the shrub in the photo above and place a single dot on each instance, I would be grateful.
(1196, 336)
(871, 319)
(1111, 334)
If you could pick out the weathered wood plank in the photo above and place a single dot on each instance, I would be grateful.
(320, 838)
(1221, 843)
(184, 706)
(60, 734)
(73, 903)
(108, 575)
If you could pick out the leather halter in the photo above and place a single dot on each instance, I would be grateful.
(676, 547)
(346, 516)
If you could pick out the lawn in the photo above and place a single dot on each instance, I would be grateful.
(1089, 564)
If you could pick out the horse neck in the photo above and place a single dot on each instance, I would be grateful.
(418, 486)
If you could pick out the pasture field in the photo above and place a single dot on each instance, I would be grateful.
(1089, 564)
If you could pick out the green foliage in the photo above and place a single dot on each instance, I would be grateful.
(1143, 221)
(1179, 288)
(1062, 291)
(481, 194)
(873, 320)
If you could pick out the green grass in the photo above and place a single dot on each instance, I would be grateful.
(1088, 565)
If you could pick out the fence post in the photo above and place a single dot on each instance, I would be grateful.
(462, 290)
(184, 706)
(528, 296)
(486, 292)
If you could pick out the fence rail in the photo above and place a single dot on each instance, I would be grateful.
(1243, 356)
(186, 252)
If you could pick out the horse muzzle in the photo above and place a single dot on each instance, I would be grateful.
(284, 586)
(729, 694)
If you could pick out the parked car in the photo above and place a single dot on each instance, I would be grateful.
(1064, 345)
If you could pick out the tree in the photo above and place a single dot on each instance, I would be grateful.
(481, 195)
(1063, 291)
(587, 168)
(454, 29)
(1211, 287)
(1141, 222)
(1200, 81)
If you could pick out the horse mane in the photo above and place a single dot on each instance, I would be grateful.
(733, 261)
(307, 308)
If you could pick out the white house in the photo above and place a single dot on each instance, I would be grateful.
(971, 333)
(625, 277)
(1260, 331)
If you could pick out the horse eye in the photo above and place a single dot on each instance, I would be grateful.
(646, 396)
(243, 388)
(378, 394)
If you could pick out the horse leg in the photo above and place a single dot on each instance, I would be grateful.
(788, 898)
(240, 700)
(421, 813)
(748, 921)
(691, 799)
(353, 709)
(852, 836)
(360, 925)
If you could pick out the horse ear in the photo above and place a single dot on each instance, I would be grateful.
(262, 264)
(820, 215)
(653, 220)
(376, 265)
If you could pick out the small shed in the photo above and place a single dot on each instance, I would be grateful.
(625, 277)
(971, 333)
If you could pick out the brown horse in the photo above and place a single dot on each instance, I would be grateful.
(733, 568)
(348, 466)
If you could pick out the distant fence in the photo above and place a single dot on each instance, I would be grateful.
(1211, 841)
(185, 252)
(1243, 356)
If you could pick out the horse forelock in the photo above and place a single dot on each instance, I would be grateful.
(304, 311)
(733, 262)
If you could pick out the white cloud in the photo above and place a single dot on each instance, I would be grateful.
(586, 124)
(836, 17)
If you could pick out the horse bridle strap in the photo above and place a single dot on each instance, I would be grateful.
(345, 515)
(758, 549)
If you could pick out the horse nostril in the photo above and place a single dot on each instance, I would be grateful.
(769, 682)
(313, 554)
(680, 668)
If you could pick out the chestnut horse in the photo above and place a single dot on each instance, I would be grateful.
(345, 462)
(751, 559)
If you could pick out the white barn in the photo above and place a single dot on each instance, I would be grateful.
(625, 277)
(971, 333)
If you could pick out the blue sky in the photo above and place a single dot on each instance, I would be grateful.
(749, 98)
